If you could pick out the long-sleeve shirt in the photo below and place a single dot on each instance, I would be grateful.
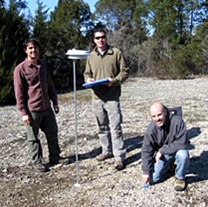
(109, 65)
(167, 139)
(33, 87)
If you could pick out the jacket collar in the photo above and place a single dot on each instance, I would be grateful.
(109, 50)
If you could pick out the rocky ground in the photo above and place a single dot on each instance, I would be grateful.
(89, 183)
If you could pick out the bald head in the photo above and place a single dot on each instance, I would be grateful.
(158, 113)
(156, 107)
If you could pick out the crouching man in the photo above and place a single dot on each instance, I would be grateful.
(165, 141)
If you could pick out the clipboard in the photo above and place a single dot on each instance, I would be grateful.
(95, 83)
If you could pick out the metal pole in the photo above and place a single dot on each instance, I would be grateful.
(74, 55)
(75, 125)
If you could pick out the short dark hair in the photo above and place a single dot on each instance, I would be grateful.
(99, 29)
(30, 40)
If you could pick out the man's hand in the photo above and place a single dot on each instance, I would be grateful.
(158, 156)
(26, 119)
(145, 178)
(56, 108)
(89, 80)
(109, 84)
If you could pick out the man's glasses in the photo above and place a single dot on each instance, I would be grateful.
(100, 37)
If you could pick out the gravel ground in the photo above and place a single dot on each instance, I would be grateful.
(91, 183)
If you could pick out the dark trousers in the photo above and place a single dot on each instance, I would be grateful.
(46, 121)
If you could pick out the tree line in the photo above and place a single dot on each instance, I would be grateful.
(159, 38)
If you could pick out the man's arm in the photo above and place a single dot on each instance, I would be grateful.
(147, 152)
(19, 89)
(88, 73)
(124, 71)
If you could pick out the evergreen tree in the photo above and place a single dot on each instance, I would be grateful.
(67, 26)
(13, 31)
(40, 25)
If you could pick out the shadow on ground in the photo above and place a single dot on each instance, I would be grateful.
(131, 143)
(198, 170)
(192, 133)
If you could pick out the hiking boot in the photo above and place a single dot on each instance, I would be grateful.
(61, 160)
(102, 157)
(119, 165)
(40, 167)
(179, 185)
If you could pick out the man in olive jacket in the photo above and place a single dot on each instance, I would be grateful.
(107, 62)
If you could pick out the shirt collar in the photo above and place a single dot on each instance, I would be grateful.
(29, 64)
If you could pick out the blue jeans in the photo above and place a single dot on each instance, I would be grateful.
(182, 163)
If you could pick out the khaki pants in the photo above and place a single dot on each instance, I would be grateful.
(109, 118)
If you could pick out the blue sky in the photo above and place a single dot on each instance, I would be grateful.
(50, 4)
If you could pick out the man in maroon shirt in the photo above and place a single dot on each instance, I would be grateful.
(34, 92)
